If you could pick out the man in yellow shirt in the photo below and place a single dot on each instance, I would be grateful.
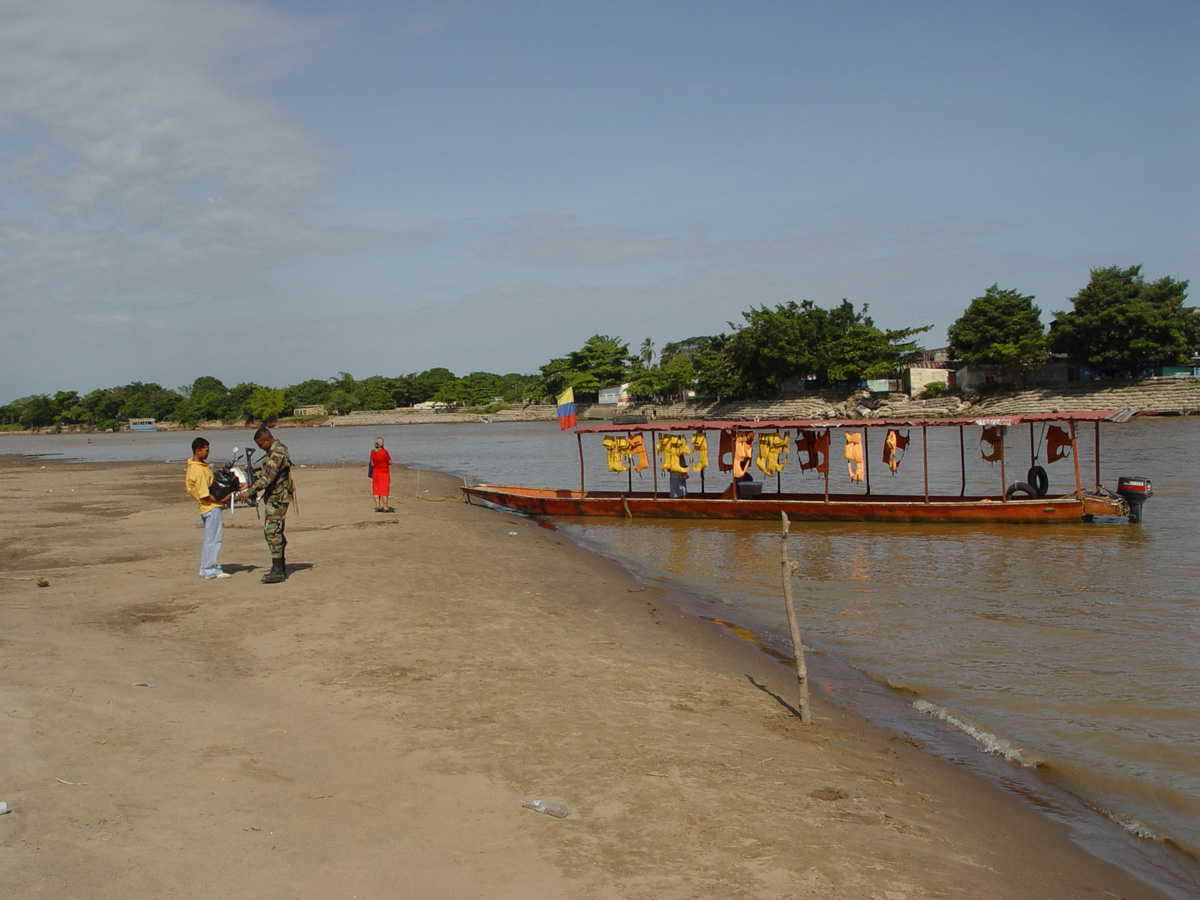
(199, 480)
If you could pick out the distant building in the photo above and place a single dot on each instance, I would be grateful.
(317, 409)
(616, 394)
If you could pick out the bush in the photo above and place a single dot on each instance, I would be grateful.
(936, 389)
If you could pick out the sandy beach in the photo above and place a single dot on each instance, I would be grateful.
(369, 728)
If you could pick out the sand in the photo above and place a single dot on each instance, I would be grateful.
(369, 728)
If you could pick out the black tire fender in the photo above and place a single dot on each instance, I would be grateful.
(1039, 479)
(1020, 487)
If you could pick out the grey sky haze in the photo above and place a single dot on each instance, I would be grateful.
(274, 191)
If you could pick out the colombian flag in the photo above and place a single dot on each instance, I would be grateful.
(566, 409)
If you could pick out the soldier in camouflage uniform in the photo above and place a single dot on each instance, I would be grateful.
(274, 481)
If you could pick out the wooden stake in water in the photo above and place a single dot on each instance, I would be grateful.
(789, 569)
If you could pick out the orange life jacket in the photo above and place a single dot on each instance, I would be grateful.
(1058, 444)
(854, 455)
(637, 452)
(725, 452)
(994, 437)
(815, 447)
(893, 449)
(743, 452)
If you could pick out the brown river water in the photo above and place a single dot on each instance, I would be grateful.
(1061, 661)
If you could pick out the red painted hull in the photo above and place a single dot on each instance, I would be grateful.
(853, 508)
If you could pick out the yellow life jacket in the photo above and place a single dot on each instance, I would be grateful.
(637, 452)
(815, 449)
(994, 438)
(700, 451)
(617, 449)
(772, 453)
(670, 448)
(893, 448)
(854, 455)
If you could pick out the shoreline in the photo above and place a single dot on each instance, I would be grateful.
(447, 646)
(1135, 848)
(1175, 396)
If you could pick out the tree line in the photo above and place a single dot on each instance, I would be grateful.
(1119, 325)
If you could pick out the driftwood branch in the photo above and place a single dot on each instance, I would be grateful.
(789, 569)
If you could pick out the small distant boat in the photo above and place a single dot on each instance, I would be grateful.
(142, 425)
(739, 497)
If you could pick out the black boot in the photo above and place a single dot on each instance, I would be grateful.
(277, 573)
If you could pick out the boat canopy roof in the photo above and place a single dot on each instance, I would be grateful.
(1092, 415)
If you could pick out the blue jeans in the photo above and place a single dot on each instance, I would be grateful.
(678, 485)
(213, 525)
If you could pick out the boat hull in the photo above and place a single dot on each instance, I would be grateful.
(856, 508)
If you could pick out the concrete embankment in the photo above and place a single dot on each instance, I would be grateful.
(1154, 396)
(1158, 396)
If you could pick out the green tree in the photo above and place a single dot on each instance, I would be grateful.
(426, 385)
(646, 354)
(313, 392)
(266, 404)
(37, 411)
(802, 341)
(71, 410)
(515, 388)
(237, 402)
(375, 392)
(339, 402)
(1122, 324)
(602, 361)
(1001, 328)
(208, 400)
(476, 389)
(674, 375)
(715, 372)
(855, 349)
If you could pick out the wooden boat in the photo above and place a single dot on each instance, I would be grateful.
(1015, 502)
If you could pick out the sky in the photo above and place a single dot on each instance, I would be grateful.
(284, 190)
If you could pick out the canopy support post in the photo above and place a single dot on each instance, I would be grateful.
(925, 457)
(866, 464)
(1003, 475)
(1075, 458)
(962, 460)
(827, 446)
(579, 439)
(654, 457)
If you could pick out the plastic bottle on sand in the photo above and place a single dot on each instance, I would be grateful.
(548, 807)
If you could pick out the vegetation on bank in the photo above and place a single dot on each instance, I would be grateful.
(1119, 325)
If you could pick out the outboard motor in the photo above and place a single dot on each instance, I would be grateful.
(1136, 491)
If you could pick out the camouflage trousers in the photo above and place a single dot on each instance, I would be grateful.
(274, 514)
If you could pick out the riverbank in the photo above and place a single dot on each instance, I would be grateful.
(377, 720)
(1152, 396)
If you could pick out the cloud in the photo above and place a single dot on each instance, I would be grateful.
(143, 151)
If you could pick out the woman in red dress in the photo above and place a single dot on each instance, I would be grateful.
(381, 476)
